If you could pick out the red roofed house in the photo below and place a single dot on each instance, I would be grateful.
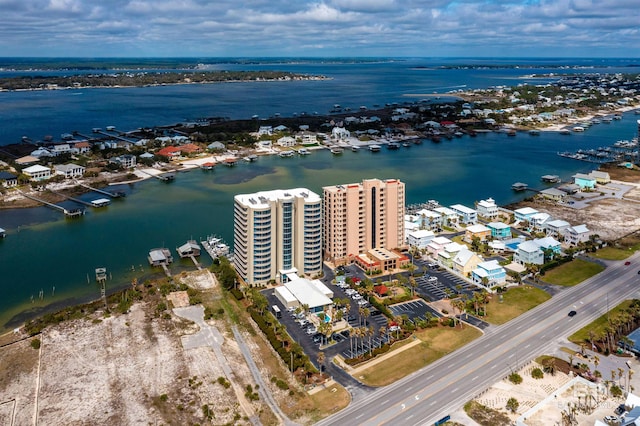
(381, 290)
(170, 152)
(190, 148)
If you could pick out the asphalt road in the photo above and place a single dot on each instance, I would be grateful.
(431, 393)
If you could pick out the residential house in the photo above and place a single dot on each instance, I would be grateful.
(569, 188)
(553, 194)
(466, 214)
(602, 178)
(437, 245)
(170, 152)
(213, 146)
(420, 238)
(449, 252)
(82, 147)
(524, 214)
(549, 243)
(41, 152)
(584, 181)
(309, 139)
(29, 159)
(538, 220)
(190, 148)
(63, 148)
(575, 235)
(449, 217)
(37, 172)
(8, 180)
(265, 144)
(69, 170)
(499, 230)
(465, 261)
(556, 227)
(490, 272)
(340, 133)
(480, 231)
(265, 131)
(127, 161)
(286, 141)
(487, 208)
(528, 252)
(429, 219)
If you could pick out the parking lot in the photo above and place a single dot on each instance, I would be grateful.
(436, 283)
(414, 310)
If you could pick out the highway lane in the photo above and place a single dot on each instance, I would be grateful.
(442, 387)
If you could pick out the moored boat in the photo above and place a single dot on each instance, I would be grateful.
(393, 145)
(288, 153)
(304, 151)
(336, 150)
(374, 148)
(355, 148)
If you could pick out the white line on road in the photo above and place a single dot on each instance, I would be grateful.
(359, 416)
(454, 390)
(385, 401)
(433, 403)
(494, 366)
(408, 389)
(527, 346)
(474, 378)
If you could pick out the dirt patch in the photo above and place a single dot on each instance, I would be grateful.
(178, 299)
(201, 280)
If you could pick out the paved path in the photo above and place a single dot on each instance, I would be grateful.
(263, 390)
(209, 336)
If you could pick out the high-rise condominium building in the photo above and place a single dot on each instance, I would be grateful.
(277, 230)
(362, 216)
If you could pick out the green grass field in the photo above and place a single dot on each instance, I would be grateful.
(597, 326)
(515, 302)
(614, 253)
(572, 273)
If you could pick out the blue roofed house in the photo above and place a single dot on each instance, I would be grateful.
(490, 272)
(499, 230)
(584, 181)
(549, 243)
(8, 180)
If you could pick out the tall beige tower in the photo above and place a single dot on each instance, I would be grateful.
(362, 216)
(277, 230)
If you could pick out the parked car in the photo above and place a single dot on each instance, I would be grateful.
(432, 279)
(356, 296)
(312, 330)
(394, 328)
(317, 338)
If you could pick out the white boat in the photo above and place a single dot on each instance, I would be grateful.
(250, 158)
(374, 148)
(336, 150)
(304, 151)
(578, 129)
(355, 148)
(288, 153)
(565, 132)
(406, 144)
(393, 145)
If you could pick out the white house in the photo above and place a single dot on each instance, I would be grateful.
(429, 219)
(420, 238)
(127, 161)
(466, 214)
(529, 252)
(37, 172)
(487, 208)
(524, 214)
(309, 139)
(62, 148)
(556, 227)
(265, 130)
(41, 152)
(286, 141)
(538, 220)
(69, 170)
(449, 217)
(575, 235)
(340, 133)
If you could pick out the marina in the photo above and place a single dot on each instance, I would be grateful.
(215, 246)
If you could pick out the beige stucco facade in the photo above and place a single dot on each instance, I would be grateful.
(362, 216)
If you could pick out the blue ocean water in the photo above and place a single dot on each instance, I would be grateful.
(47, 261)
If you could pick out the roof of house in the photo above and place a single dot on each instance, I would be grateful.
(552, 192)
(580, 229)
(463, 209)
(7, 176)
(421, 233)
(28, 159)
(190, 147)
(583, 176)
(498, 225)
(526, 211)
(558, 223)
(307, 293)
(528, 247)
(36, 168)
(463, 256)
(477, 228)
(547, 242)
(168, 151)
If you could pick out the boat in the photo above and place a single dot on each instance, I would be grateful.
(393, 145)
(565, 132)
(355, 148)
(215, 246)
(406, 144)
(288, 153)
(458, 134)
(578, 129)
(304, 151)
(534, 132)
(3, 233)
(336, 150)
(250, 158)
(374, 148)
(511, 132)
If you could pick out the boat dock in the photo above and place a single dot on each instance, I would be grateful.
(215, 246)
(166, 177)
(101, 274)
(68, 213)
(117, 194)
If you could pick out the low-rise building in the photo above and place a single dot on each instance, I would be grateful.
(584, 181)
(8, 180)
(465, 261)
(69, 170)
(575, 235)
(524, 214)
(437, 245)
(127, 161)
(553, 194)
(499, 230)
(478, 231)
(420, 238)
(304, 292)
(556, 227)
(528, 252)
(429, 219)
(602, 178)
(487, 208)
(37, 172)
(538, 220)
(449, 252)
(467, 215)
(449, 217)
(489, 272)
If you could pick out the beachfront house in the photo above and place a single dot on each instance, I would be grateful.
(538, 220)
(489, 273)
(524, 214)
(69, 170)
(37, 172)
(528, 252)
(602, 178)
(308, 139)
(575, 235)
(487, 208)
(41, 152)
(499, 230)
(553, 194)
(465, 261)
(420, 238)
(449, 252)
(340, 133)
(449, 217)
(429, 219)
(216, 146)
(265, 131)
(126, 161)
(467, 215)
(286, 141)
(549, 244)
(584, 181)
(63, 148)
(8, 180)
(478, 231)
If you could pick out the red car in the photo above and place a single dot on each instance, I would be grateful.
(627, 263)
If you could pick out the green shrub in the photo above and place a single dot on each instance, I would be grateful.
(35, 343)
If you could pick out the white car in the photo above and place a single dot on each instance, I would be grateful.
(356, 296)
(362, 302)
(432, 279)
(350, 291)
(312, 330)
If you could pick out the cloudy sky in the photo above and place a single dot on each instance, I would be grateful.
(337, 28)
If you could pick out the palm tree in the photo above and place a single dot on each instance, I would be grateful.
(382, 330)
(366, 312)
(320, 360)
(459, 305)
(370, 333)
(596, 361)
(413, 284)
(571, 362)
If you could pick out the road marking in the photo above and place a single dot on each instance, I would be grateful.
(557, 327)
(494, 366)
(429, 377)
(519, 327)
(543, 336)
(487, 345)
(510, 356)
(454, 390)
(360, 416)
(409, 417)
(408, 389)
(433, 403)
(402, 406)
(527, 346)
(385, 401)
(468, 356)
(474, 378)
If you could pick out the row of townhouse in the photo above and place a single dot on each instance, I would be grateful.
(543, 222)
